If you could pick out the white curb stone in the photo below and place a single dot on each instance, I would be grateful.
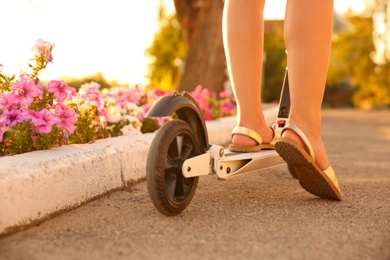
(37, 185)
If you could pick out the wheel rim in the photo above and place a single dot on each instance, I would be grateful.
(177, 187)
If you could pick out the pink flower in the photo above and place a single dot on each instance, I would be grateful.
(61, 90)
(207, 116)
(102, 112)
(225, 94)
(1, 68)
(66, 117)
(45, 121)
(2, 129)
(42, 48)
(155, 94)
(159, 92)
(135, 95)
(227, 107)
(8, 101)
(91, 87)
(202, 95)
(90, 92)
(30, 115)
(145, 109)
(122, 96)
(26, 91)
(41, 87)
(26, 77)
(11, 118)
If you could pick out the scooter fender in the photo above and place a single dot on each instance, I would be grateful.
(186, 109)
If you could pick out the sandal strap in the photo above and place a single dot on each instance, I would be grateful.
(275, 138)
(242, 130)
(299, 132)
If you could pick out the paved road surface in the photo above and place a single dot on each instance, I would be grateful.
(265, 215)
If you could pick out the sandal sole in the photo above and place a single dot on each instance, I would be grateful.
(244, 149)
(310, 176)
(250, 149)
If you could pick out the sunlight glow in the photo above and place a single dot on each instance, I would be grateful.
(92, 35)
(275, 9)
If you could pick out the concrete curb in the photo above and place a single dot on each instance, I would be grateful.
(37, 185)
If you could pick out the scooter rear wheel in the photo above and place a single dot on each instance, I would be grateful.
(168, 189)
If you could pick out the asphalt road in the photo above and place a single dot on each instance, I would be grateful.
(264, 215)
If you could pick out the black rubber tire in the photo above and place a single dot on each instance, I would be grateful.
(168, 189)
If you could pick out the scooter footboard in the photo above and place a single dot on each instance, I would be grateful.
(235, 164)
(227, 164)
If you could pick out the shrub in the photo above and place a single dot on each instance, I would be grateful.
(35, 116)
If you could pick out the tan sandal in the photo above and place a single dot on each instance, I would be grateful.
(321, 183)
(242, 130)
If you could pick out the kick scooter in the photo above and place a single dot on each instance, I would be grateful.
(180, 152)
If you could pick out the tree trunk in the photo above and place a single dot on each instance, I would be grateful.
(205, 65)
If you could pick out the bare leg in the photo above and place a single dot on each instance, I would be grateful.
(243, 40)
(308, 30)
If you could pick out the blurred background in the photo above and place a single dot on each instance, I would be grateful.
(177, 45)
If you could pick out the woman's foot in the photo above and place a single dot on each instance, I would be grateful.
(265, 132)
(299, 150)
(315, 140)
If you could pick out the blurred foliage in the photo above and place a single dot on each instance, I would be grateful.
(18, 140)
(275, 60)
(380, 11)
(6, 83)
(356, 76)
(352, 63)
(88, 128)
(149, 125)
(97, 77)
(166, 52)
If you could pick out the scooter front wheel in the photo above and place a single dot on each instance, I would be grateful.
(168, 189)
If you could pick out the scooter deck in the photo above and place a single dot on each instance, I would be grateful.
(227, 164)
(235, 164)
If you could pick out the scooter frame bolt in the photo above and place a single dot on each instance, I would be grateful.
(221, 153)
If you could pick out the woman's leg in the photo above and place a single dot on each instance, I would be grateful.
(243, 41)
(308, 31)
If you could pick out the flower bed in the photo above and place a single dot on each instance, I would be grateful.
(35, 116)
